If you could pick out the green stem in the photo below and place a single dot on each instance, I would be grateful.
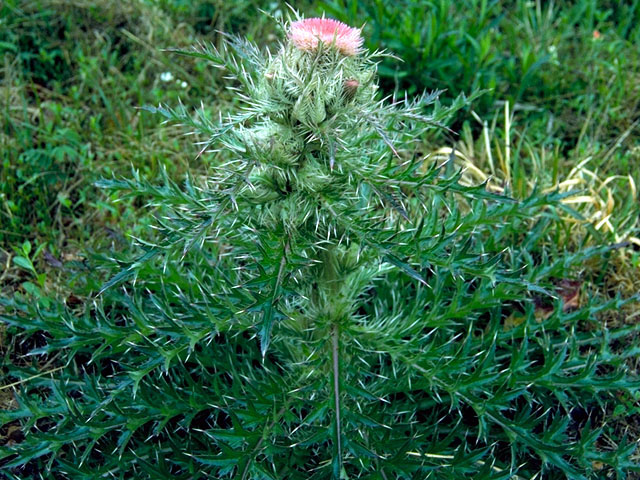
(335, 350)
(329, 298)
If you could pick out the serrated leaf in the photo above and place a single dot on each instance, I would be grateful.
(130, 271)
(405, 268)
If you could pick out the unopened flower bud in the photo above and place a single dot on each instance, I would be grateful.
(350, 88)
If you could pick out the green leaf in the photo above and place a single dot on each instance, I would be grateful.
(405, 268)
(24, 263)
(130, 271)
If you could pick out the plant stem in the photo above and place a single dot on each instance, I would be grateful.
(330, 286)
(335, 346)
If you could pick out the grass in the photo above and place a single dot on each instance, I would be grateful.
(569, 70)
(69, 115)
(74, 75)
(561, 112)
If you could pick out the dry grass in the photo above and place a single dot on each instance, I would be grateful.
(606, 202)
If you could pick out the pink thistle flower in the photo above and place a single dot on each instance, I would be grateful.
(308, 33)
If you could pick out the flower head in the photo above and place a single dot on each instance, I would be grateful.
(308, 33)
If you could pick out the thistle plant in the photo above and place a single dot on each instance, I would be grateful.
(325, 303)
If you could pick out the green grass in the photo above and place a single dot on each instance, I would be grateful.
(569, 87)
(69, 114)
(73, 74)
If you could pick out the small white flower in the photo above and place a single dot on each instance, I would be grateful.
(166, 76)
(553, 53)
(184, 84)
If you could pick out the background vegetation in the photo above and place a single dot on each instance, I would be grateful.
(560, 112)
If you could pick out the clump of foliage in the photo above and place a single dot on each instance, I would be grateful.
(324, 303)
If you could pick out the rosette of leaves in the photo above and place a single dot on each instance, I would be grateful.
(326, 303)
